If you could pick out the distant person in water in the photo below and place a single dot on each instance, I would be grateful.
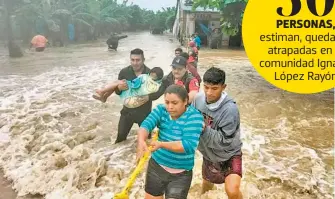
(193, 53)
(216, 39)
(113, 41)
(143, 85)
(197, 40)
(39, 42)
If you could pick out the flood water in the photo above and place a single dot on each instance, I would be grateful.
(56, 140)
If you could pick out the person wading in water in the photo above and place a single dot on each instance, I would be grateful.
(113, 41)
(220, 143)
(129, 116)
(171, 165)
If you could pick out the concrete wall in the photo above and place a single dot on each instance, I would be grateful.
(190, 24)
(187, 23)
(214, 22)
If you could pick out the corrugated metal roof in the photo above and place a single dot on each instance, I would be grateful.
(198, 9)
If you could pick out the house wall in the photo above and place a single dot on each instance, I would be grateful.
(190, 24)
(214, 24)
(176, 24)
(182, 22)
(189, 19)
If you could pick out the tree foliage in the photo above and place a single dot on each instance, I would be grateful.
(162, 19)
(231, 13)
(101, 15)
(91, 18)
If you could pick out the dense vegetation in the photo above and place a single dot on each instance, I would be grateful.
(22, 19)
(231, 10)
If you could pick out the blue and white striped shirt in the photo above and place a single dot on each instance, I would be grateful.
(187, 129)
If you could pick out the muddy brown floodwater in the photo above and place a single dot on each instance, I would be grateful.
(56, 140)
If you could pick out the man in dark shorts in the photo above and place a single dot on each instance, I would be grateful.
(129, 116)
(113, 41)
(220, 143)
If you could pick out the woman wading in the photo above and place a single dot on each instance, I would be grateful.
(170, 167)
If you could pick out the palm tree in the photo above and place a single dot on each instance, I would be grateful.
(89, 17)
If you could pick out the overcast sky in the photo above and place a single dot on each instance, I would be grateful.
(154, 4)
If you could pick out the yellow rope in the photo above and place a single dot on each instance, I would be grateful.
(124, 194)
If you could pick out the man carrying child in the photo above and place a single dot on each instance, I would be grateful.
(135, 112)
(143, 85)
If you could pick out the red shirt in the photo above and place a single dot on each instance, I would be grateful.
(191, 59)
(195, 50)
(193, 55)
(39, 41)
(193, 85)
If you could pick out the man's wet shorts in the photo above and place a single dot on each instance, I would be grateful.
(217, 172)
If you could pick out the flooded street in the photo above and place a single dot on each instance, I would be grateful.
(56, 140)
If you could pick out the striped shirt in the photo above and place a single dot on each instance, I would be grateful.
(187, 129)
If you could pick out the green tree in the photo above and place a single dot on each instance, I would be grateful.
(91, 18)
(163, 19)
(136, 18)
(170, 21)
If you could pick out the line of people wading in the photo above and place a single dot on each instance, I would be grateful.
(189, 119)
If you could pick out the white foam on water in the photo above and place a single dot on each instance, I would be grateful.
(289, 167)
(4, 138)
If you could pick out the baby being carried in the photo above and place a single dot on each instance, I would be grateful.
(138, 88)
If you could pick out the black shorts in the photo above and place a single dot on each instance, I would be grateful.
(159, 182)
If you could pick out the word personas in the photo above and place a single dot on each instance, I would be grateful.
(292, 49)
